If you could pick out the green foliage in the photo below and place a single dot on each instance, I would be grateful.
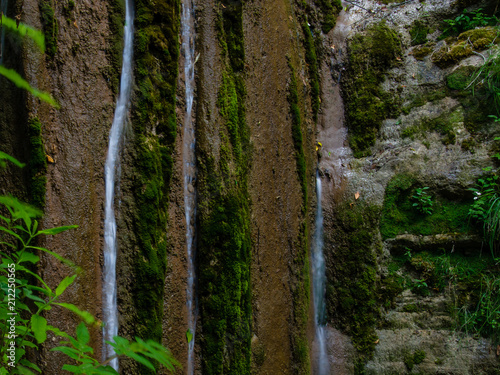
(418, 32)
(367, 105)
(487, 78)
(468, 20)
(486, 209)
(483, 317)
(474, 282)
(24, 297)
(23, 30)
(155, 127)
(20, 82)
(352, 279)
(423, 202)
(399, 215)
(232, 21)
(50, 27)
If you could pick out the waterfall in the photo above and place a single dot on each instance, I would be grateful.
(189, 172)
(319, 286)
(111, 173)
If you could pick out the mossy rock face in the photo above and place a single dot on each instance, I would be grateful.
(329, 9)
(422, 51)
(50, 28)
(155, 128)
(224, 241)
(460, 78)
(480, 38)
(456, 49)
(352, 274)
(399, 214)
(418, 32)
(37, 164)
(370, 55)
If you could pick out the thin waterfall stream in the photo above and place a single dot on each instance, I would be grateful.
(111, 173)
(319, 286)
(189, 173)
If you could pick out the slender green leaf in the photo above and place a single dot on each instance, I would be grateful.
(82, 334)
(86, 316)
(4, 156)
(57, 230)
(27, 363)
(70, 352)
(39, 327)
(67, 281)
(24, 371)
(24, 30)
(23, 84)
(55, 255)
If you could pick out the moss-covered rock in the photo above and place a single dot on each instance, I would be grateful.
(352, 279)
(418, 32)
(154, 123)
(224, 242)
(37, 164)
(399, 215)
(50, 27)
(456, 49)
(370, 55)
(421, 51)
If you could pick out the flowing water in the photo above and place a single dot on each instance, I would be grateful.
(111, 173)
(319, 287)
(189, 172)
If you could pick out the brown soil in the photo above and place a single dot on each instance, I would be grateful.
(274, 185)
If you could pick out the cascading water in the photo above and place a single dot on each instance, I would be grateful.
(319, 285)
(189, 172)
(110, 310)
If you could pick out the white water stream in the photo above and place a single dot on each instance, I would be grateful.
(189, 172)
(111, 173)
(319, 287)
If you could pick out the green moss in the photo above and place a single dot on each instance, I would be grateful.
(412, 359)
(460, 78)
(419, 52)
(37, 164)
(115, 43)
(224, 245)
(154, 123)
(399, 216)
(50, 28)
(367, 105)
(459, 48)
(293, 100)
(443, 125)
(418, 32)
(329, 9)
(352, 277)
(312, 61)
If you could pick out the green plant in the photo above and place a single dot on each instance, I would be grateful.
(25, 296)
(483, 318)
(486, 208)
(468, 20)
(25, 31)
(423, 202)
